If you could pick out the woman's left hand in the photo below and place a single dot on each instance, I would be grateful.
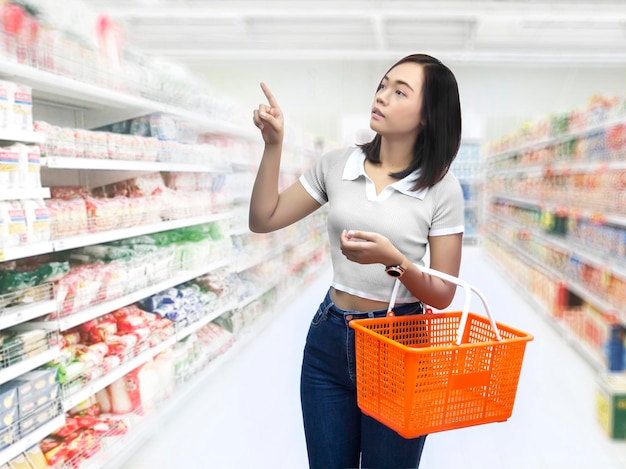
(366, 247)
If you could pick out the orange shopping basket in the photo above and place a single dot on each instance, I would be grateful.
(428, 373)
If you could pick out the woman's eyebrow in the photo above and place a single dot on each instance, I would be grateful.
(400, 82)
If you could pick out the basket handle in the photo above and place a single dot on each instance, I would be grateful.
(466, 305)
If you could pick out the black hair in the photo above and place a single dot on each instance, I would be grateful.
(439, 140)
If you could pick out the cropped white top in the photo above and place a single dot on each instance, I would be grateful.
(404, 216)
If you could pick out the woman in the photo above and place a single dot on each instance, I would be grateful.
(389, 200)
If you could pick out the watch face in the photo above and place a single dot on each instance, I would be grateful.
(393, 271)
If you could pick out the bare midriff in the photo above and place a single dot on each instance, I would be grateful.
(349, 302)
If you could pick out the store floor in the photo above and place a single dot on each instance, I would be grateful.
(247, 415)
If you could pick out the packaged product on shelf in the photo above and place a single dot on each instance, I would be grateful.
(14, 220)
(26, 273)
(168, 151)
(121, 402)
(104, 401)
(33, 173)
(6, 104)
(23, 107)
(140, 126)
(181, 181)
(97, 146)
(37, 221)
(8, 418)
(23, 166)
(166, 377)
(36, 419)
(163, 127)
(78, 289)
(35, 457)
(9, 436)
(10, 174)
(68, 217)
(185, 132)
(19, 462)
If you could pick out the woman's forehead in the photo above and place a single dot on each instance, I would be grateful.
(408, 72)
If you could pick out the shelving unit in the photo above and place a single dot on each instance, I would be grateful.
(555, 220)
(466, 168)
(67, 102)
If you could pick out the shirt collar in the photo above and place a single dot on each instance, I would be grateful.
(355, 167)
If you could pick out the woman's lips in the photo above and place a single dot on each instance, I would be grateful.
(376, 114)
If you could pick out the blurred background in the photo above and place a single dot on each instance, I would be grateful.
(143, 325)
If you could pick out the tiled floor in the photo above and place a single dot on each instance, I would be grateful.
(247, 415)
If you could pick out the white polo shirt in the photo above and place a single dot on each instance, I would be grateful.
(404, 216)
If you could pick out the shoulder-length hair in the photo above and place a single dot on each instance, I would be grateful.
(438, 142)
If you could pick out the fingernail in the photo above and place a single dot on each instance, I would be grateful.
(263, 114)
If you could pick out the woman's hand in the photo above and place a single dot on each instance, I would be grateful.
(269, 119)
(365, 247)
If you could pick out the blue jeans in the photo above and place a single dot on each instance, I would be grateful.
(338, 435)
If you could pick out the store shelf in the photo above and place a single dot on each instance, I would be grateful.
(35, 249)
(108, 106)
(25, 194)
(21, 136)
(258, 294)
(196, 326)
(572, 247)
(576, 287)
(12, 372)
(559, 138)
(552, 205)
(72, 400)
(59, 162)
(114, 235)
(101, 309)
(593, 358)
(117, 451)
(19, 314)
(27, 250)
(31, 439)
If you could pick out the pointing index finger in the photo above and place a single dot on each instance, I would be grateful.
(268, 94)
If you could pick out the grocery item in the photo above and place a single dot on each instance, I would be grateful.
(20, 462)
(36, 458)
(6, 103)
(10, 167)
(22, 108)
(33, 173)
(14, 223)
(37, 221)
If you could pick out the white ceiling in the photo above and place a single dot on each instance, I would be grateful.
(201, 32)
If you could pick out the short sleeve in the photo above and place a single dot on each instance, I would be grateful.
(449, 209)
(314, 179)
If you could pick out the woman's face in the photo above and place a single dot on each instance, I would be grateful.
(397, 108)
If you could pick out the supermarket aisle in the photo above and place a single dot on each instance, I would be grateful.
(248, 416)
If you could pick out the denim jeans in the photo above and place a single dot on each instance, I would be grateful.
(338, 435)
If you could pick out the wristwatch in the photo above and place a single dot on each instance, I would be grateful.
(397, 271)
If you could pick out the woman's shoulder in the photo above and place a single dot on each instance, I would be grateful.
(336, 156)
(447, 186)
(342, 153)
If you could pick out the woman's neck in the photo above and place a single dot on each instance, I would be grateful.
(396, 155)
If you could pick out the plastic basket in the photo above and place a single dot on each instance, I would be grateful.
(428, 373)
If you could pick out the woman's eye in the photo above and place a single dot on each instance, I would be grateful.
(380, 87)
(400, 93)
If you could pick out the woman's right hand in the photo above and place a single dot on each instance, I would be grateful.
(269, 119)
